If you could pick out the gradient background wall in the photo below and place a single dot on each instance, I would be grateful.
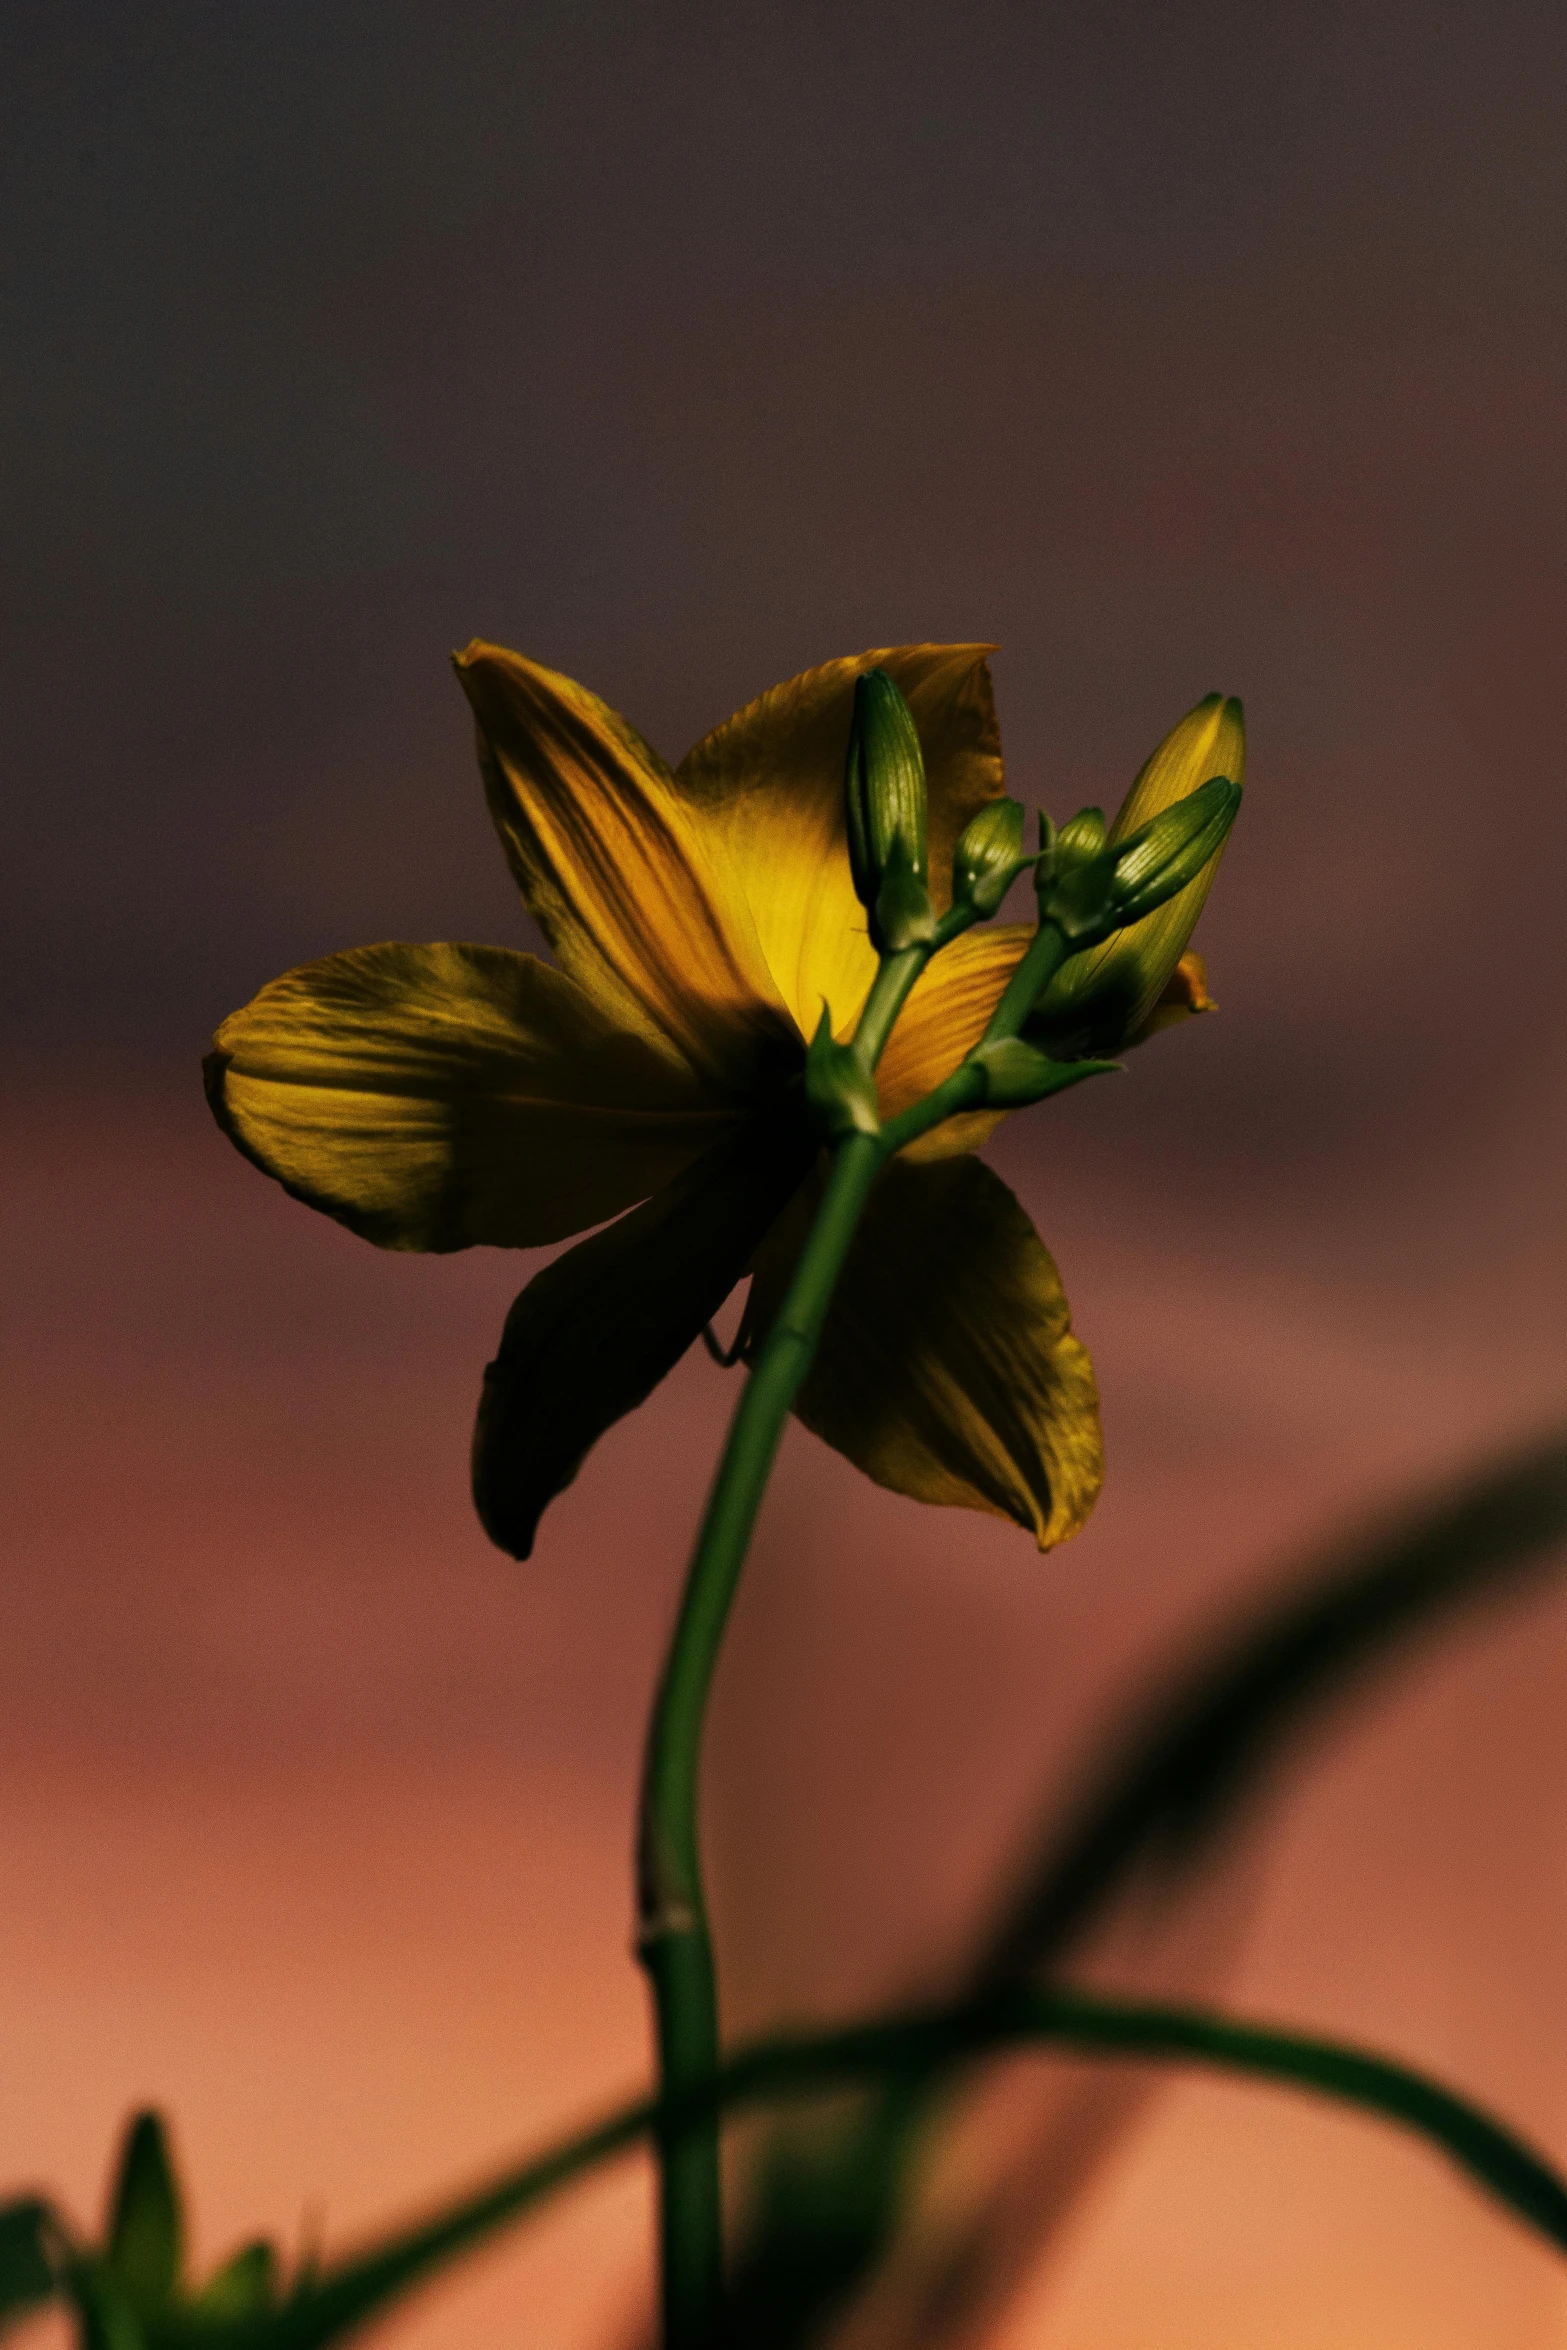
(1173, 346)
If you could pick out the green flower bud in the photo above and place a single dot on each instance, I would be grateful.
(1172, 849)
(884, 798)
(1081, 837)
(1091, 895)
(1111, 996)
(989, 857)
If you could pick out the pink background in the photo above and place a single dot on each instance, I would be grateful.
(683, 348)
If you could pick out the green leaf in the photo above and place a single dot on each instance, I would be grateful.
(1165, 1793)
(1214, 1734)
(29, 2234)
(245, 2286)
(103, 2305)
(146, 2246)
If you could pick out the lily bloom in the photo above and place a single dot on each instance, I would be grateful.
(445, 1096)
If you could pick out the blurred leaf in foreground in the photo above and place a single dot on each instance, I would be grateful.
(146, 2239)
(1176, 1774)
(27, 2266)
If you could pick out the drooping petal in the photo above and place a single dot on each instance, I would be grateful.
(593, 1334)
(430, 1097)
(947, 1012)
(948, 1369)
(767, 786)
(1101, 1000)
(613, 867)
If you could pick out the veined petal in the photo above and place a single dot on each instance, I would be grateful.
(947, 1012)
(1101, 1000)
(767, 787)
(948, 1369)
(614, 869)
(593, 1334)
(433, 1096)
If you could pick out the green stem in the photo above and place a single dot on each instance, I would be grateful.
(1045, 954)
(674, 1941)
(895, 975)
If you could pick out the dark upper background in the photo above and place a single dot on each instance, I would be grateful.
(1169, 346)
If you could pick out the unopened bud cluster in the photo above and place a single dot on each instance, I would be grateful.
(1089, 888)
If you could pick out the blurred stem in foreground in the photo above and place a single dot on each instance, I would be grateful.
(324, 2308)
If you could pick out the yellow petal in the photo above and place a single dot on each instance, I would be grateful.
(433, 1096)
(767, 786)
(947, 1012)
(1105, 998)
(613, 868)
(592, 1335)
(948, 1369)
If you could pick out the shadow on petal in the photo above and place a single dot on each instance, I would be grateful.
(593, 1334)
(948, 1369)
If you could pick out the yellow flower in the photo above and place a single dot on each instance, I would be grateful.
(437, 1097)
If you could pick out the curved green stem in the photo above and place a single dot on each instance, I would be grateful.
(674, 1942)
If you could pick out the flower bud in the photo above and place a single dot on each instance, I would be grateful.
(884, 797)
(1081, 837)
(1173, 848)
(989, 857)
(1109, 997)
(1094, 895)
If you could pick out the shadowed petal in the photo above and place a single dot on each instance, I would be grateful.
(433, 1096)
(948, 1369)
(767, 786)
(613, 867)
(1101, 1000)
(594, 1333)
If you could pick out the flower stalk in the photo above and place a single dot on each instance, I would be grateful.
(1110, 888)
(674, 1941)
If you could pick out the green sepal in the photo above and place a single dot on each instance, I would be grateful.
(27, 2267)
(1017, 1073)
(245, 2286)
(839, 1089)
(146, 2244)
(989, 857)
